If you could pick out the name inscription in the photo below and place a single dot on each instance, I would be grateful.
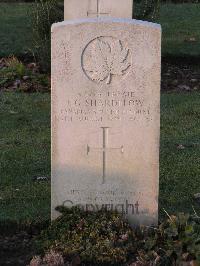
(104, 106)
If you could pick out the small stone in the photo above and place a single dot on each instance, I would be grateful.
(197, 196)
(167, 74)
(25, 78)
(13, 112)
(180, 147)
(184, 87)
(31, 65)
(41, 178)
(193, 80)
(191, 39)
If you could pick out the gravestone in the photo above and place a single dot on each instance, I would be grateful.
(106, 116)
(98, 8)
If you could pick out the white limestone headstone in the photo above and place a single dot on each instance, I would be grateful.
(98, 8)
(106, 116)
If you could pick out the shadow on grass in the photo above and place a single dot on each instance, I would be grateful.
(181, 60)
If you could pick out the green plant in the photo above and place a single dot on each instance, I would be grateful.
(15, 75)
(14, 70)
(99, 237)
(147, 9)
(43, 14)
(50, 259)
(16, 67)
(105, 238)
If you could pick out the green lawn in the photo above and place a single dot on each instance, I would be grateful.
(181, 29)
(25, 153)
(179, 168)
(180, 23)
(15, 29)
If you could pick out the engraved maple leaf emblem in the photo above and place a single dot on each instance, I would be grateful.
(106, 58)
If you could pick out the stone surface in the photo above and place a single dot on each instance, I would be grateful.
(106, 116)
(76, 9)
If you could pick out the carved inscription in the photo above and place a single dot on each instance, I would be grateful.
(104, 150)
(97, 13)
(105, 57)
(104, 106)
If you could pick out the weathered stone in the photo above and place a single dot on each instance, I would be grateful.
(76, 9)
(106, 116)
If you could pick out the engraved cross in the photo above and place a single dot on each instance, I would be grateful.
(104, 150)
(97, 13)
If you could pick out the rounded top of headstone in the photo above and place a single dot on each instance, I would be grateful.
(107, 20)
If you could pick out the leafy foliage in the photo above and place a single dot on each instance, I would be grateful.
(14, 69)
(104, 238)
(14, 75)
(146, 9)
(50, 259)
(43, 14)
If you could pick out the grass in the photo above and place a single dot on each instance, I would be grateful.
(179, 168)
(15, 29)
(180, 23)
(25, 153)
(181, 29)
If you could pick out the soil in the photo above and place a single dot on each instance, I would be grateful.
(180, 75)
(16, 249)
